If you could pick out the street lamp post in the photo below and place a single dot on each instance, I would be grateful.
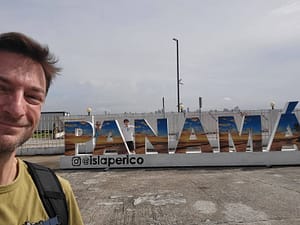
(178, 80)
(200, 106)
(89, 110)
(163, 105)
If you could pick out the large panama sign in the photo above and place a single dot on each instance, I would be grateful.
(236, 146)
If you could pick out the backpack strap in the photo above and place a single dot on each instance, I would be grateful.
(50, 191)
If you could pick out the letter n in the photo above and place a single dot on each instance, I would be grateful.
(144, 134)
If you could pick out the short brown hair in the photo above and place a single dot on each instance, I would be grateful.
(21, 44)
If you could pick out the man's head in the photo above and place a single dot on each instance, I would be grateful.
(21, 44)
(126, 122)
(26, 72)
(98, 124)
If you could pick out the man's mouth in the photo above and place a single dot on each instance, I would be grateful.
(12, 124)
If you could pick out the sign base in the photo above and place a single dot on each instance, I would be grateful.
(86, 161)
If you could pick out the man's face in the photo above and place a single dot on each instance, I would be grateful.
(22, 94)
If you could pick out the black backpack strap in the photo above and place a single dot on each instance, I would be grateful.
(50, 191)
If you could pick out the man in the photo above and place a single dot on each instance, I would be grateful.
(26, 72)
(97, 128)
(128, 132)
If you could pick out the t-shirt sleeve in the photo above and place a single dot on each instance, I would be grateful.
(74, 212)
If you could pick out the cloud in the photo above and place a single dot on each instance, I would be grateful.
(119, 56)
(227, 99)
(290, 8)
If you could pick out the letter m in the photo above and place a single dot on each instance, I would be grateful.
(248, 137)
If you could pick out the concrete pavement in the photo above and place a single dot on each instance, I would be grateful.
(185, 196)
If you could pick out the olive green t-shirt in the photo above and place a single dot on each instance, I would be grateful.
(20, 201)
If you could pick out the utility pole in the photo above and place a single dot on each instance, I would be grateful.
(163, 104)
(200, 106)
(178, 79)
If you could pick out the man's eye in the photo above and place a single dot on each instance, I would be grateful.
(34, 99)
(3, 89)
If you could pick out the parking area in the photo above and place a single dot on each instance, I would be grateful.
(185, 196)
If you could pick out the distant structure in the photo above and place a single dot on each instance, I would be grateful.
(50, 123)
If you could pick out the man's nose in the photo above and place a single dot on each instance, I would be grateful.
(15, 104)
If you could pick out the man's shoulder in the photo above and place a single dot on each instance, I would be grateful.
(65, 184)
(52, 190)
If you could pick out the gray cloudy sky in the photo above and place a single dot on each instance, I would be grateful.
(119, 56)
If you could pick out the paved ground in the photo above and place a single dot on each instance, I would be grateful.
(185, 196)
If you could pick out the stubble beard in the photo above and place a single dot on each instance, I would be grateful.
(10, 146)
(11, 139)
